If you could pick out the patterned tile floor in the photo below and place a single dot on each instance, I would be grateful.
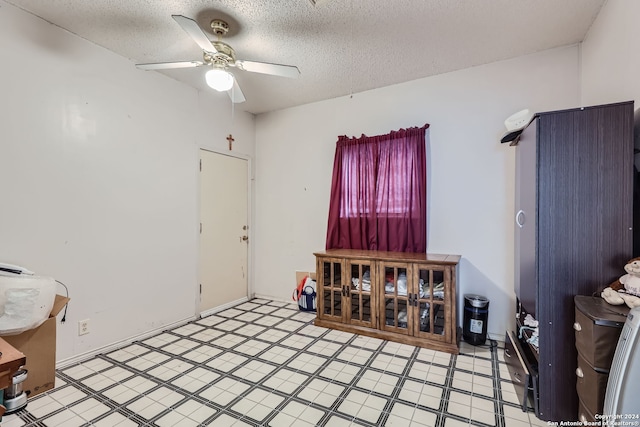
(264, 363)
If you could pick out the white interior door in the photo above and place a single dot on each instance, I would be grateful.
(224, 230)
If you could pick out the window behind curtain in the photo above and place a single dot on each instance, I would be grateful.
(378, 193)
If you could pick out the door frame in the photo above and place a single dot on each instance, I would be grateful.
(250, 224)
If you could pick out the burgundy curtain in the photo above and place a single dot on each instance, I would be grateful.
(379, 193)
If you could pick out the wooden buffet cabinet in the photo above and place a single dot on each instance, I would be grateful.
(397, 296)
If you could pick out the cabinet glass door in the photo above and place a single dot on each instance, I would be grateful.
(395, 300)
(331, 288)
(360, 293)
(430, 294)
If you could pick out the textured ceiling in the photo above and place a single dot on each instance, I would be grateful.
(340, 46)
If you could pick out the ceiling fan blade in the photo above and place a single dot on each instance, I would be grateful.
(195, 32)
(235, 93)
(169, 65)
(267, 68)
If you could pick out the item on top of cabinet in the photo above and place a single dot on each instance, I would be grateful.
(625, 290)
(611, 296)
(515, 124)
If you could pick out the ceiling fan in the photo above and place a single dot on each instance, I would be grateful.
(220, 56)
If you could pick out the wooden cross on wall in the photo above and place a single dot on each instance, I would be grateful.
(230, 139)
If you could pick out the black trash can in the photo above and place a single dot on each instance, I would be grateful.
(476, 314)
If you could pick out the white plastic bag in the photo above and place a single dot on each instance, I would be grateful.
(25, 302)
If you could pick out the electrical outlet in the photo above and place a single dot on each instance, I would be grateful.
(83, 327)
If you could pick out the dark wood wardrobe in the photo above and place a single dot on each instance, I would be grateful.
(574, 218)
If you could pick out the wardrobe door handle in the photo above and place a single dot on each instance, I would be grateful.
(516, 376)
(507, 352)
(520, 218)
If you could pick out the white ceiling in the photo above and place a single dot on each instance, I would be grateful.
(340, 46)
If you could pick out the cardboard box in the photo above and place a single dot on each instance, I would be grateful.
(39, 346)
(302, 274)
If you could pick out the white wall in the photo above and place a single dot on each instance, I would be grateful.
(610, 60)
(99, 181)
(470, 174)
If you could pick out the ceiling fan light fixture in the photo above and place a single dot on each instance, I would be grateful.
(217, 56)
(220, 80)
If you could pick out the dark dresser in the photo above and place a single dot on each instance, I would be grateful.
(597, 327)
(573, 233)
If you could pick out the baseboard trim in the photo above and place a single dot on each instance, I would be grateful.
(223, 307)
(496, 336)
(61, 364)
(117, 345)
(272, 298)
